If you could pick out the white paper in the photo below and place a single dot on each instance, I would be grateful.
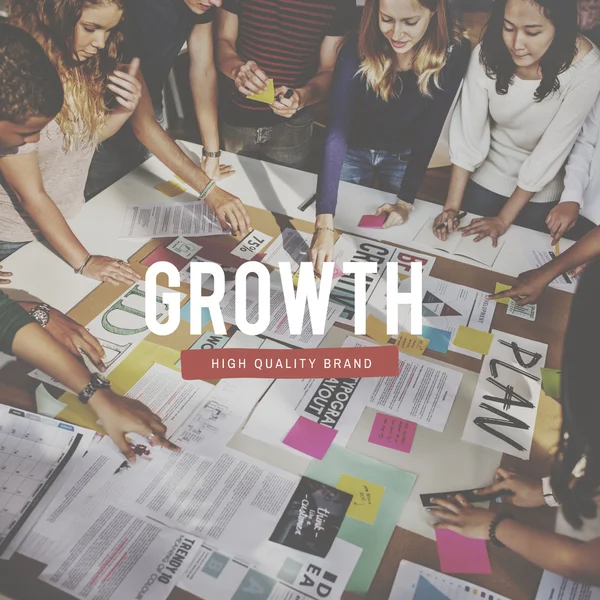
(291, 246)
(527, 312)
(252, 244)
(538, 257)
(408, 576)
(34, 452)
(422, 392)
(278, 328)
(184, 247)
(511, 427)
(215, 576)
(189, 219)
(122, 555)
(232, 501)
(555, 587)
(482, 251)
(6, 359)
(168, 395)
(207, 281)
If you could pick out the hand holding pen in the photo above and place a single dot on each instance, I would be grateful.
(287, 102)
(447, 222)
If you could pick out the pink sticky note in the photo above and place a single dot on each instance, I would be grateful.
(459, 554)
(162, 253)
(393, 432)
(310, 437)
(372, 221)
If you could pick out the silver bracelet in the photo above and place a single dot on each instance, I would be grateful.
(79, 271)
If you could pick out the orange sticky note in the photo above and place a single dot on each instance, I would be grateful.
(500, 287)
(412, 344)
(377, 330)
(473, 339)
(170, 188)
(268, 96)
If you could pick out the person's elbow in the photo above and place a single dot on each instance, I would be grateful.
(577, 563)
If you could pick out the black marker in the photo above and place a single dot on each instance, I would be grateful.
(456, 218)
(287, 95)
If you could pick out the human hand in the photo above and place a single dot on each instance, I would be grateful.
(460, 516)
(321, 248)
(574, 273)
(4, 276)
(397, 214)
(526, 492)
(126, 87)
(448, 217)
(216, 171)
(528, 288)
(110, 270)
(287, 107)
(230, 211)
(562, 218)
(250, 79)
(120, 415)
(484, 227)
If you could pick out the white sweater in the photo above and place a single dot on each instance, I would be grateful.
(582, 178)
(512, 140)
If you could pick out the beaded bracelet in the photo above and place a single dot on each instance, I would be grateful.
(493, 526)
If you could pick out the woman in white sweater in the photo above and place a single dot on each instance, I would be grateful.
(529, 87)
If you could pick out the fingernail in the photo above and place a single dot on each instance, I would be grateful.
(428, 509)
(131, 459)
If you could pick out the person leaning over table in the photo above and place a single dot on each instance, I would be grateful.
(22, 336)
(392, 90)
(575, 477)
(530, 85)
(155, 31)
(296, 44)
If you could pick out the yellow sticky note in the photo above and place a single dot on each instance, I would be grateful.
(376, 330)
(500, 287)
(296, 278)
(412, 344)
(473, 339)
(366, 499)
(268, 96)
(170, 188)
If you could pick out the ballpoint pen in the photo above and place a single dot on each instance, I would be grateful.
(458, 217)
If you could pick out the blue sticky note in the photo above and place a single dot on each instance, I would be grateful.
(427, 591)
(185, 314)
(439, 339)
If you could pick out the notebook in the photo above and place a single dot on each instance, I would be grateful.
(482, 252)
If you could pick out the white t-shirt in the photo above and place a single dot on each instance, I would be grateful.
(64, 175)
(511, 140)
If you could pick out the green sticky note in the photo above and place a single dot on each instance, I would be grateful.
(551, 383)
(372, 538)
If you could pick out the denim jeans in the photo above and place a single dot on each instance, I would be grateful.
(374, 168)
(288, 143)
(481, 201)
(8, 248)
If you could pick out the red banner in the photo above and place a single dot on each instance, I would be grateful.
(319, 363)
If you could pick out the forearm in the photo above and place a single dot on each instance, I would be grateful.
(316, 90)
(113, 124)
(456, 190)
(204, 92)
(559, 554)
(228, 59)
(324, 221)
(514, 205)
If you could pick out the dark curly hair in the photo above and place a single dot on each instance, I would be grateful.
(581, 406)
(29, 84)
(498, 62)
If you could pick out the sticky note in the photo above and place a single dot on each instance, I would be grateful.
(377, 330)
(527, 311)
(439, 339)
(501, 287)
(551, 383)
(310, 437)
(459, 554)
(267, 96)
(412, 344)
(393, 432)
(372, 221)
(186, 316)
(473, 339)
(366, 497)
(170, 188)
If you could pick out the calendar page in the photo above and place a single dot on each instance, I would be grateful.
(34, 450)
(415, 582)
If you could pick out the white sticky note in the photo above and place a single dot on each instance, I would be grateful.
(527, 312)
(184, 247)
(253, 243)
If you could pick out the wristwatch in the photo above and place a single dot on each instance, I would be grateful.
(97, 382)
(549, 497)
(208, 154)
(41, 313)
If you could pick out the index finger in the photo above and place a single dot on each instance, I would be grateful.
(259, 73)
(134, 67)
(511, 293)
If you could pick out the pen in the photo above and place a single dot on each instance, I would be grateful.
(287, 95)
(458, 217)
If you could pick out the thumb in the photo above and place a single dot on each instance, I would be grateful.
(380, 210)
(134, 67)
(124, 447)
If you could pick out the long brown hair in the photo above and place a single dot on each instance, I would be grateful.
(378, 64)
(52, 23)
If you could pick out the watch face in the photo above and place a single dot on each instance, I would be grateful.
(41, 315)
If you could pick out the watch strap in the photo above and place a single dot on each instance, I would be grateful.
(41, 313)
(549, 497)
(208, 154)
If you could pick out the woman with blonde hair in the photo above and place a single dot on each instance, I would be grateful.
(41, 184)
(392, 89)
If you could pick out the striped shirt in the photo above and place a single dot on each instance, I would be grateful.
(284, 38)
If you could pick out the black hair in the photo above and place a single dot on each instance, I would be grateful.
(498, 62)
(581, 407)
(29, 83)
